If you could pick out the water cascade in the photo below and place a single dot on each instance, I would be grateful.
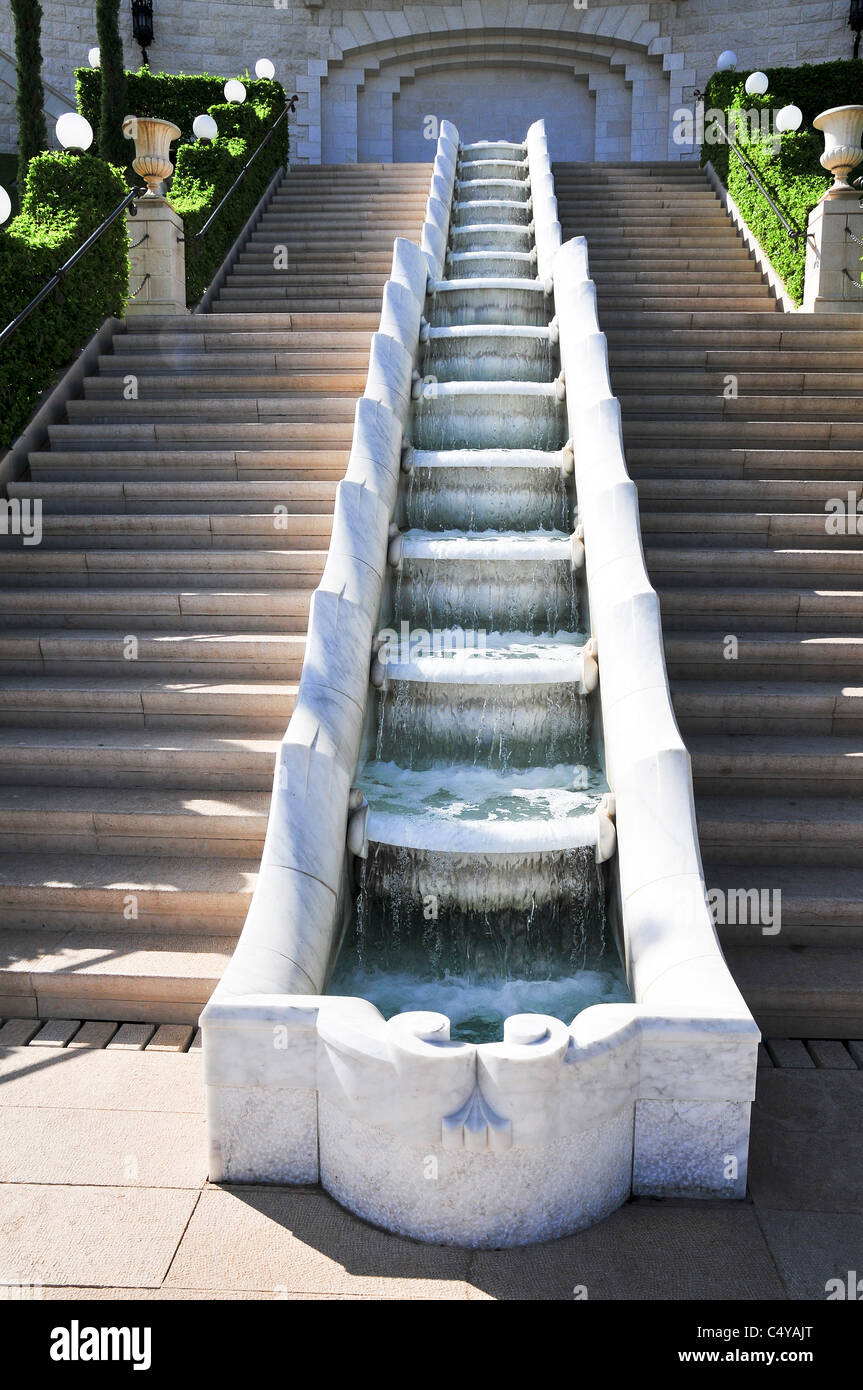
(481, 889)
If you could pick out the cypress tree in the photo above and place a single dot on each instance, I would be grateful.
(112, 143)
(30, 97)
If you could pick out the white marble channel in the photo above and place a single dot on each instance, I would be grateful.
(555, 1124)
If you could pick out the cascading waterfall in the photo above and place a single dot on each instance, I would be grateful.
(481, 894)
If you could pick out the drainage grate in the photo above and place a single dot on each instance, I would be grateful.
(801, 1054)
(72, 1033)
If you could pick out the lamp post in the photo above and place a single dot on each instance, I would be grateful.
(142, 26)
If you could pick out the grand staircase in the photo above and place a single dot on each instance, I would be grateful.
(741, 423)
(150, 646)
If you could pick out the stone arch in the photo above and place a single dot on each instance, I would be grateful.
(634, 77)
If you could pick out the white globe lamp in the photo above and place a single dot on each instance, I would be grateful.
(73, 131)
(757, 84)
(204, 128)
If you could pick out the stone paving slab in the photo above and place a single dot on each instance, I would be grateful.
(806, 1143)
(96, 1079)
(287, 1240)
(100, 1236)
(215, 1295)
(811, 1248)
(110, 1148)
(648, 1250)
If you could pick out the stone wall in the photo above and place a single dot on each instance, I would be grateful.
(367, 75)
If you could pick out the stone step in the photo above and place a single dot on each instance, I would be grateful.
(762, 700)
(134, 974)
(331, 261)
(758, 565)
(753, 528)
(74, 499)
(707, 300)
(242, 435)
(210, 372)
(752, 407)
(146, 610)
(103, 754)
(181, 655)
(776, 765)
(809, 366)
(181, 404)
(817, 433)
(782, 836)
(187, 530)
(250, 300)
(811, 992)
(73, 702)
(715, 464)
(794, 907)
(168, 328)
(304, 283)
(799, 656)
(290, 343)
(732, 332)
(708, 383)
(105, 821)
(735, 610)
(733, 277)
(324, 463)
(274, 567)
(723, 497)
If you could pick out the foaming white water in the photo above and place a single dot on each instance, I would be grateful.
(476, 1008)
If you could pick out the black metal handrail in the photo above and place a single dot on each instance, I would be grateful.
(133, 196)
(795, 233)
(290, 107)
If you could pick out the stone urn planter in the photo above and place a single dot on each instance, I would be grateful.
(152, 138)
(842, 128)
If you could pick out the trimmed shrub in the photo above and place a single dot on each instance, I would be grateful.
(30, 94)
(66, 196)
(175, 97)
(204, 172)
(788, 165)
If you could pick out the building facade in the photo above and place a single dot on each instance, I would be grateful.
(372, 81)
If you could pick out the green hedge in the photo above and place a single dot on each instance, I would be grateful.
(204, 172)
(792, 174)
(65, 198)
